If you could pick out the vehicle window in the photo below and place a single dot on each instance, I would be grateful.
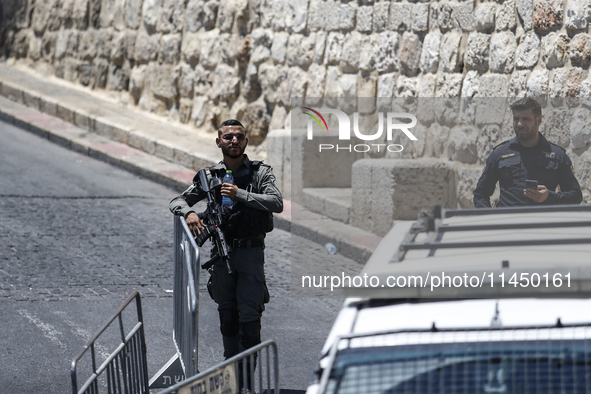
(477, 367)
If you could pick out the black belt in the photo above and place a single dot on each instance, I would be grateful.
(247, 243)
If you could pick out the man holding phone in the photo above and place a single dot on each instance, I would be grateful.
(528, 167)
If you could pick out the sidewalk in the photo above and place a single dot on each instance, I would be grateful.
(165, 153)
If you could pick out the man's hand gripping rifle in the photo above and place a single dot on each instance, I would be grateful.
(214, 218)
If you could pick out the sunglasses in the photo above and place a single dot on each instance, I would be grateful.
(230, 137)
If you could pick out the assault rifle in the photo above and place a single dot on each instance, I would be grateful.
(214, 218)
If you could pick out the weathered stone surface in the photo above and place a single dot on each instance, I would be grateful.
(100, 68)
(171, 16)
(537, 85)
(580, 128)
(401, 16)
(146, 47)
(525, 9)
(427, 86)
(48, 46)
(331, 90)
(271, 78)
(406, 86)
(210, 49)
(492, 85)
(445, 19)
(580, 50)
(316, 13)
(191, 47)
(464, 15)
(278, 117)
(556, 126)
(67, 43)
(334, 48)
(381, 12)
(420, 17)
(348, 12)
(410, 53)
(132, 13)
(547, 14)
(386, 57)
(118, 48)
(130, 39)
(462, 144)
(262, 39)
(118, 77)
(494, 88)
(484, 16)
(477, 52)
(555, 50)
(279, 47)
(71, 70)
(364, 19)
(186, 80)
(150, 13)
(105, 42)
(251, 88)
(332, 18)
(300, 50)
(85, 73)
(225, 18)
(528, 51)
(468, 103)
(319, 47)
(296, 16)
(88, 44)
(137, 80)
(350, 53)
(164, 82)
(583, 171)
(518, 84)
(386, 85)
(502, 52)
(430, 53)
(169, 48)
(438, 138)
(468, 179)
(506, 18)
(194, 15)
(200, 111)
(46, 15)
(20, 44)
(185, 109)
(298, 82)
(366, 90)
(316, 81)
(433, 16)
(449, 85)
(256, 120)
(577, 13)
(225, 83)
(449, 52)
(488, 139)
(367, 51)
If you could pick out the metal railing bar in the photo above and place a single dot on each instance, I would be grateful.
(482, 227)
(448, 213)
(491, 244)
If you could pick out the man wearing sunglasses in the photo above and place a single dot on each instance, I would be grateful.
(242, 294)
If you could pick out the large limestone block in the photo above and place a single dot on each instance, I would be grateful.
(525, 9)
(548, 14)
(164, 82)
(462, 144)
(477, 52)
(518, 84)
(464, 15)
(211, 48)
(537, 84)
(350, 53)
(506, 18)
(484, 16)
(410, 53)
(334, 48)
(348, 12)
(450, 55)
(150, 13)
(556, 126)
(430, 53)
(367, 51)
(580, 128)
(386, 55)
(487, 140)
(502, 52)
(420, 17)
(226, 83)
(385, 190)
(527, 53)
(169, 48)
(171, 16)
(583, 171)
(316, 81)
(577, 13)
(300, 50)
(296, 15)
(401, 16)
(380, 16)
(146, 47)
(555, 50)
(580, 50)
(279, 47)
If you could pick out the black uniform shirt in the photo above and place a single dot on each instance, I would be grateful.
(511, 164)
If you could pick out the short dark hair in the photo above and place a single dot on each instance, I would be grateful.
(230, 122)
(527, 103)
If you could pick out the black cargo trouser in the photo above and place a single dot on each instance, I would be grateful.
(241, 298)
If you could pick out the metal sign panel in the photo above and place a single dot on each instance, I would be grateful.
(220, 381)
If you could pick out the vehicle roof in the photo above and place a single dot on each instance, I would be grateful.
(550, 241)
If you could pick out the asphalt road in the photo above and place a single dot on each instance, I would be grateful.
(77, 236)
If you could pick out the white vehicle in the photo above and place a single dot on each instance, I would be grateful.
(513, 317)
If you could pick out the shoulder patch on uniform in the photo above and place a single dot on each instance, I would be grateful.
(501, 144)
(507, 155)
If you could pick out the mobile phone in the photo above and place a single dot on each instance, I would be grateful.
(529, 184)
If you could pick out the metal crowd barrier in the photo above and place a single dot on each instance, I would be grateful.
(126, 368)
(225, 378)
(186, 309)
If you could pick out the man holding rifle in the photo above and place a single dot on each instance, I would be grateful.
(237, 285)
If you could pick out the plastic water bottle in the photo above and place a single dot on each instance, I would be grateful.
(226, 201)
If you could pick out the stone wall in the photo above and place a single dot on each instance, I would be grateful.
(200, 61)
